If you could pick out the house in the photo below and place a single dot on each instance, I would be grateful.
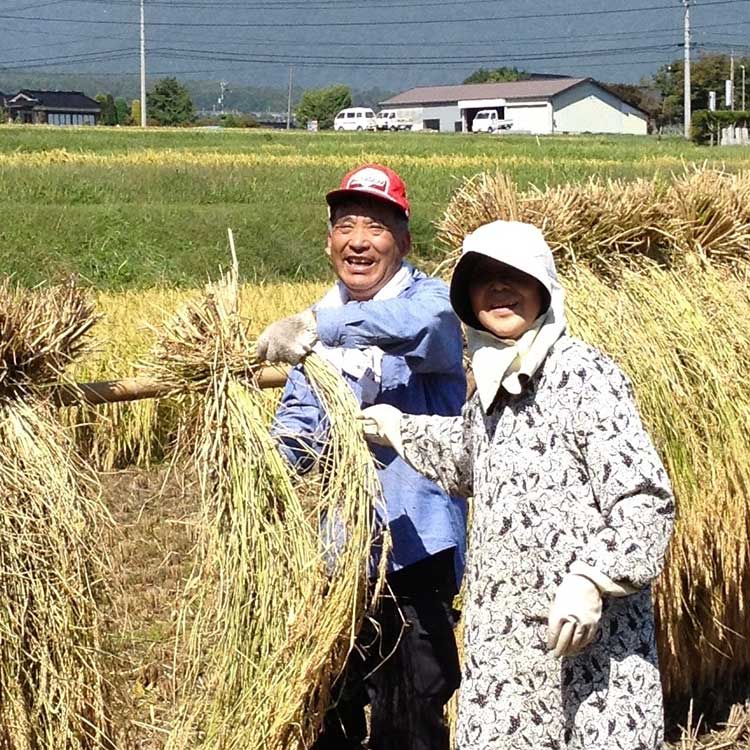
(52, 108)
(540, 106)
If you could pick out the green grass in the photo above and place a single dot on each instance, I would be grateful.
(127, 221)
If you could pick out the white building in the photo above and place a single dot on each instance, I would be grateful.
(540, 106)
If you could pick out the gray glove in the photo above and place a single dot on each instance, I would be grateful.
(289, 339)
(381, 424)
(574, 615)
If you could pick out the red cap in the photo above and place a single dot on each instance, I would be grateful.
(374, 180)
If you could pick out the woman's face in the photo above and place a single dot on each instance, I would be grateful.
(505, 301)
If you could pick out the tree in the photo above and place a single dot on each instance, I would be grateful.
(323, 104)
(135, 112)
(707, 73)
(497, 75)
(123, 111)
(108, 115)
(168, 103)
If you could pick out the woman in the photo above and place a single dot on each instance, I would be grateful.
(572, 514)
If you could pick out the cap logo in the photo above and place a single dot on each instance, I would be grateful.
(369, 179)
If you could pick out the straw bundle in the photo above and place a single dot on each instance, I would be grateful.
(52, 693)
(709, 214)
(702, 211)
(657, 277)
(271, 612)
(684, 339)
(734, 733)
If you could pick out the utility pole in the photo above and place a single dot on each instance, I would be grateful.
(143, 68)
(289, 101)
(687, 103)
(731, 80)
(743, 88)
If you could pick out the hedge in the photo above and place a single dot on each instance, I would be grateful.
(707, 125)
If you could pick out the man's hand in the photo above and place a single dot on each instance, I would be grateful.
(574, 615)
(381, 424)
(289, 339)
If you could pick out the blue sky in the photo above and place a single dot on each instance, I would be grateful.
(384, 43)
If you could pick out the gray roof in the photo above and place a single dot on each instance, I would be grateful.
(75, 101)
(534, 89)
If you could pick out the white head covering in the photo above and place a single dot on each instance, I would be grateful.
(498, 362)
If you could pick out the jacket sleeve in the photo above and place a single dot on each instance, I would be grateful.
(422, 328)
(299, 425)
(440, 448)
(630, 484)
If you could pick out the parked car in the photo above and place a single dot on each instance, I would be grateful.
(488, 121)
(355, 118)
(392, 119)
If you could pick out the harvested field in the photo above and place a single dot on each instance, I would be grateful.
(143, 217)
(151, 545)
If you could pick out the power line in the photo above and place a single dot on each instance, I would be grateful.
(283, 6)
(370, 22)
(198, 54)
(320, 61)
(515, 40)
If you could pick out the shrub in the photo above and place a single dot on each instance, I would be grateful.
(707, 125)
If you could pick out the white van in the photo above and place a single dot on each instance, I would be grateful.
(488, 121)
(355, 118)
(392, 119)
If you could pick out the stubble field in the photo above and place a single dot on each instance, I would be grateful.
(141, 217)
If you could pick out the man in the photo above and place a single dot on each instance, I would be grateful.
(391, 332)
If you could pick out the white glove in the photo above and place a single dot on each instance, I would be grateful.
(574, 615)
(289, 339)
(381, 424)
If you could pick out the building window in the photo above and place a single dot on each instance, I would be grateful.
(431, 124)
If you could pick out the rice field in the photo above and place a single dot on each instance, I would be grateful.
(654, 256)
(131, 209)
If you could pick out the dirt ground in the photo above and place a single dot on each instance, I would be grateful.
(150, 546)
(151, 551)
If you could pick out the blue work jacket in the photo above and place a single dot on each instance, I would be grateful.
(421, 373)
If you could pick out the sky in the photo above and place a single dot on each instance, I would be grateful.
(389, 44)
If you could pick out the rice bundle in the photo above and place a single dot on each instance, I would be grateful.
(52, 693)
(656, 276)
(271, 611)
(709, 214)
(684, 339)
(598, 221)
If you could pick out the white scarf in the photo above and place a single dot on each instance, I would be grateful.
(364, 365)
(508, 363)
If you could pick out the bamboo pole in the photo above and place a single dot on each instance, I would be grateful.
(137, 389)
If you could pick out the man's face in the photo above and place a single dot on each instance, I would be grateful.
(366, 245)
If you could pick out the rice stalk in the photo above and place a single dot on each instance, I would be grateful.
(280, 585)
(701, 211)
(684, 339)
(732, 734)
(52, 684)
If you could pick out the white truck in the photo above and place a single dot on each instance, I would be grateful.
(488, 121)
(355, 118)
(392, 119)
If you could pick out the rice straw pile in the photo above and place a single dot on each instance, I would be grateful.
(52, 692)
(701, 211)
(684, 338)
(270, 611)
(657, 276)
